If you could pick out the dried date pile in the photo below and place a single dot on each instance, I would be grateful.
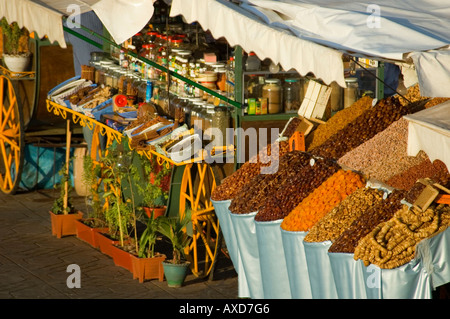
(384, 155)
(337, 122)
(363, 128)
(333, 224)
(436, 171)
(294, 186)
(349, 239)
(232, 184)
(393, 243)
(253, 195)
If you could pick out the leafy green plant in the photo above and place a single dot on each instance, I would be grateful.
(58, 204)
(173, 228)
(148, 238)
(121, 212)
(12, 34)
(154, 194)
(91, 175)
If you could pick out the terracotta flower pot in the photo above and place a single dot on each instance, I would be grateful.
(87, 233)
(148, 268)
(121, 258)
(158, 211)
(64, 224)
(105, 243)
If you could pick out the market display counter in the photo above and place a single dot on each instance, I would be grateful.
(314, 273)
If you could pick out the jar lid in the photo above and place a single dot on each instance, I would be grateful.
(351, 80)
(291, 80)
(272, 81)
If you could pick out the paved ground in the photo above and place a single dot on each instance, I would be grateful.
(33, 263)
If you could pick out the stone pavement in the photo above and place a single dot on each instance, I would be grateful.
(33, 263)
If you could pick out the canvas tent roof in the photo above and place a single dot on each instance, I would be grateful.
(307, 35)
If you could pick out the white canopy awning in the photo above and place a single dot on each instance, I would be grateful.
(122, 18)
(402, 31)
(240, 27)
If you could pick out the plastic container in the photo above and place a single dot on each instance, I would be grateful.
(273, 92)
(350, 92)
(292, 95)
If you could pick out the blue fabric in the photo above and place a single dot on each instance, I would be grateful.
(41, 167)
(81, 49)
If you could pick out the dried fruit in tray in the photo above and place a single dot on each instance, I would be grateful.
(251, 197)
(334, 223)
(393, 243)
(363, 128)
(294, 186)
(322, 200)
(232, 184)
(337, 122)
(348, 240)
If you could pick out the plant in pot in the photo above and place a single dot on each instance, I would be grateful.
(120, 214)
(94, 218)
(154, 192)
(16, 54)
(173, 228)
(63, 214)
(148, 263)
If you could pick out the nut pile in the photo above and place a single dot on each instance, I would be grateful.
(252, 195)
(363, 128)
(393, 243)
(293, 188)
(436, 101)
(384, 155)
(334, 223)
(233, 183)
(436, 171)
(322, 200)
(412, 96)
(348, 240)
(337, 122)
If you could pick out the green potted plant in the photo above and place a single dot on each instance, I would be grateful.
(148, 263)
(174, 229)
(154, 192)
(93, 220)
(63, 214)
(122, 238)
(16, 54)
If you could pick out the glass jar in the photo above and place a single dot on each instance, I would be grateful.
(335, 97)
(252, 63)
(151, 37)
(272, 91)
(291, 95)
(350, 92)
(220, 121)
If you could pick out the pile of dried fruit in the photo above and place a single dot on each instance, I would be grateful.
(348, 240)
(322, 200)
(363, 128)
(436, 171)
(337, 122)
(334, 223)
(393, 243)
(255, 192)
(293, 188)
(384, 155)
(233, 183)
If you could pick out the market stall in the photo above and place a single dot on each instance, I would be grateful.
(277, 210)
